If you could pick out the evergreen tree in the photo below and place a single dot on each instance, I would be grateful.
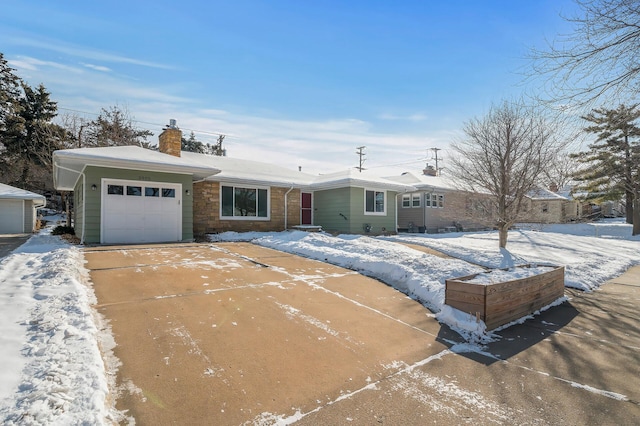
(29, 137)
(192, 144)
(613, 160)
(9, 92)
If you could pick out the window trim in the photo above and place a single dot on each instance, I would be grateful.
(243, 186)
(408, 198)
(384, 201)
(434, 200)
(415, 197)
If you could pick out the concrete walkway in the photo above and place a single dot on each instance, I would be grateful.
(232, 333)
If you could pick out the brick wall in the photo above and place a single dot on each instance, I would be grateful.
(206, 211)
(170, 141)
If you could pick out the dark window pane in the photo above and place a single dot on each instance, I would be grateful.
(115, 189)
(136, 191)
(379, 202)
(245, 202)
(262, 203)
(227, 201)
(168, 193)
(370, 201)
(152, 192)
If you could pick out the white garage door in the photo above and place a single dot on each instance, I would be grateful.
(140, 212)
(11, 216)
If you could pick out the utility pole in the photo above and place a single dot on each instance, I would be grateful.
(435, 150)
(361, 154)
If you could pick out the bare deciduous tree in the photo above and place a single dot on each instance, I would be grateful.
(600, 57)
(559, 172)
(504, 154)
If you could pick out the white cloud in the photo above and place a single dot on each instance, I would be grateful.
(315, 145)
(76, 51)
(411, 117)
(97, 67)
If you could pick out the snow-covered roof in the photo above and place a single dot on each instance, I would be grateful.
(69, 163)
(544, 194)
(13, 193)
(249, 171)
(352, 177)
(423, 182)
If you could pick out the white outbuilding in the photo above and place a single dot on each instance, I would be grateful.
(18, 209)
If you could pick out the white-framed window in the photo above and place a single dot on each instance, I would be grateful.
(375, 202)
(411, 200)
(415, 200)
(435, 201)
(244, 203)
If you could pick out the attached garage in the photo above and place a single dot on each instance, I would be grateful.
(140, 211)
(18, 210)
(129, 194)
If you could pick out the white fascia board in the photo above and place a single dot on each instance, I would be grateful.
(357, 183)
(68, 168)
(257, 182)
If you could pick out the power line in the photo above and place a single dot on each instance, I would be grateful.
(156, 125)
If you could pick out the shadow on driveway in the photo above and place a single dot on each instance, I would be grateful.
(10, 242)
(517, 338)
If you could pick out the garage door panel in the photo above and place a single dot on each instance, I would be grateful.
(11, 216)
(139, 213)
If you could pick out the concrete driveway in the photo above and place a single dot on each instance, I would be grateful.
(233, 333)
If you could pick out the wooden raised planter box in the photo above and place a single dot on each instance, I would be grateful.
(500, 303)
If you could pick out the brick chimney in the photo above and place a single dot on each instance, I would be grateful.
(171, 139)
(429, 171)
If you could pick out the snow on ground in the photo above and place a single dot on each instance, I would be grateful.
(50, 337)
(589, 260)
(52, 371)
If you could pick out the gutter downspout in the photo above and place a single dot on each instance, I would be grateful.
(397, 195)
(286, 215)
(84, 198)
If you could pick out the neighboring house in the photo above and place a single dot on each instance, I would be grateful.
(130, 194)
(18, 210)
(436, 205)
(544, 206)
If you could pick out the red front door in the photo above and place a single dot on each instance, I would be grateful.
(306, 209)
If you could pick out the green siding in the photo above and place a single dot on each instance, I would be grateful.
(94, 176)
(78, 212)
(329, 204)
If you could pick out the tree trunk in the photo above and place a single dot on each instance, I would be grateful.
(503, 231)
(636, 217)
(629, 207)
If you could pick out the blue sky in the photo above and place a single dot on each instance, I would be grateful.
(299, 83)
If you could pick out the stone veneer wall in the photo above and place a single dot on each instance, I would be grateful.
(206, 211)
(170, 141)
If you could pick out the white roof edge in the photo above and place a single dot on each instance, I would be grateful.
(258, 182)
(97, 160)
(13, 192)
